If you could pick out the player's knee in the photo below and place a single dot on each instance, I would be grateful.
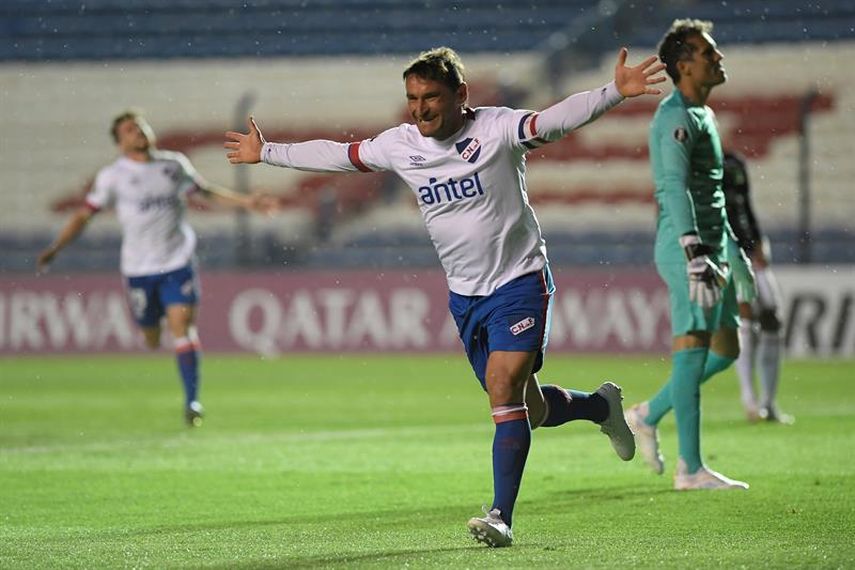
(725, 343)
(538, 409)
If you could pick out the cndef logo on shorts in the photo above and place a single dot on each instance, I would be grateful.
(522, 326)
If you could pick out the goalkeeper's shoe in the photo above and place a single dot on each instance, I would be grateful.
(614, 425)
(703, 478)
(491, 529)
(193, 414)
(773, 415)
(646, 436)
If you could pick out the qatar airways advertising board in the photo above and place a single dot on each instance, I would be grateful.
(274, 313)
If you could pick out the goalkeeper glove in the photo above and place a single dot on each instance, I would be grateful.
(743, 275)
(706, 279)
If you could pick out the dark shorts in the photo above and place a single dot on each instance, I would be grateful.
(150, 295)
(514, 318)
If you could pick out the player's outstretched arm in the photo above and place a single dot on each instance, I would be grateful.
(75, 225)
(638, 80)
(245, 148)
(581, 108)
(260, 202)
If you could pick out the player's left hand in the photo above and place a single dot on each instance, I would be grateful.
(245, 148)
(634, 81)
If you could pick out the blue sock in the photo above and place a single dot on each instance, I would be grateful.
(568, 405)
(510, 450)
(187, 355)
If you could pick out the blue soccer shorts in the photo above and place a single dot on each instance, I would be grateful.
(150, 295)
(514, 318)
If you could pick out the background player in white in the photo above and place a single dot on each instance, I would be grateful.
(760, 349)
(467, 169)
(148, 189)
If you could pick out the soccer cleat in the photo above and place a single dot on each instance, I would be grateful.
(614, 425)
(774, 415)
(491, 529)
(703, 478)
(646, 436)
(193, 414)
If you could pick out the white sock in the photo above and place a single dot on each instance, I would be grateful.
(745, 364)
(769, 357)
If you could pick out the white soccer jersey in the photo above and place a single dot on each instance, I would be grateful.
(150, 201)
(470, 187)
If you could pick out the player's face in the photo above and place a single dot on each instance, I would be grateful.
(135, 135)
(705, 67)
(436, 109)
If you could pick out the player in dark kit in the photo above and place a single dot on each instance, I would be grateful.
(760, 328)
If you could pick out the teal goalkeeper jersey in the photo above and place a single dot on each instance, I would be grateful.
(687, 162)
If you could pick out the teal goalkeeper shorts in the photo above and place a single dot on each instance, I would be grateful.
(687, 316)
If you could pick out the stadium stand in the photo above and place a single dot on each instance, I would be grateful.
(67, 66)
(163, 29)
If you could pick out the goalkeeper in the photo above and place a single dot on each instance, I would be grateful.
(695, 253)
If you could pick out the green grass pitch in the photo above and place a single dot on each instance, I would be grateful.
(378, 461)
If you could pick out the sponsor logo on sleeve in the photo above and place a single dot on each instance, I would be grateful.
(681, 134)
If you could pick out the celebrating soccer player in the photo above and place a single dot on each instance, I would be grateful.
(148, 189)
(466, 168)
(693, 246)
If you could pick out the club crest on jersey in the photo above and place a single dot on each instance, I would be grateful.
(522, 326)
(680, 134)
(469, 149)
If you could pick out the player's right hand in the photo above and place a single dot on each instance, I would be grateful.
(44, 259)
(706, 278)
(265, 203)
(245, 148)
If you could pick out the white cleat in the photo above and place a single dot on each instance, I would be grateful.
(773, 415)
(614, 425)
(491, 529)
(647, 437)
(703, 478)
